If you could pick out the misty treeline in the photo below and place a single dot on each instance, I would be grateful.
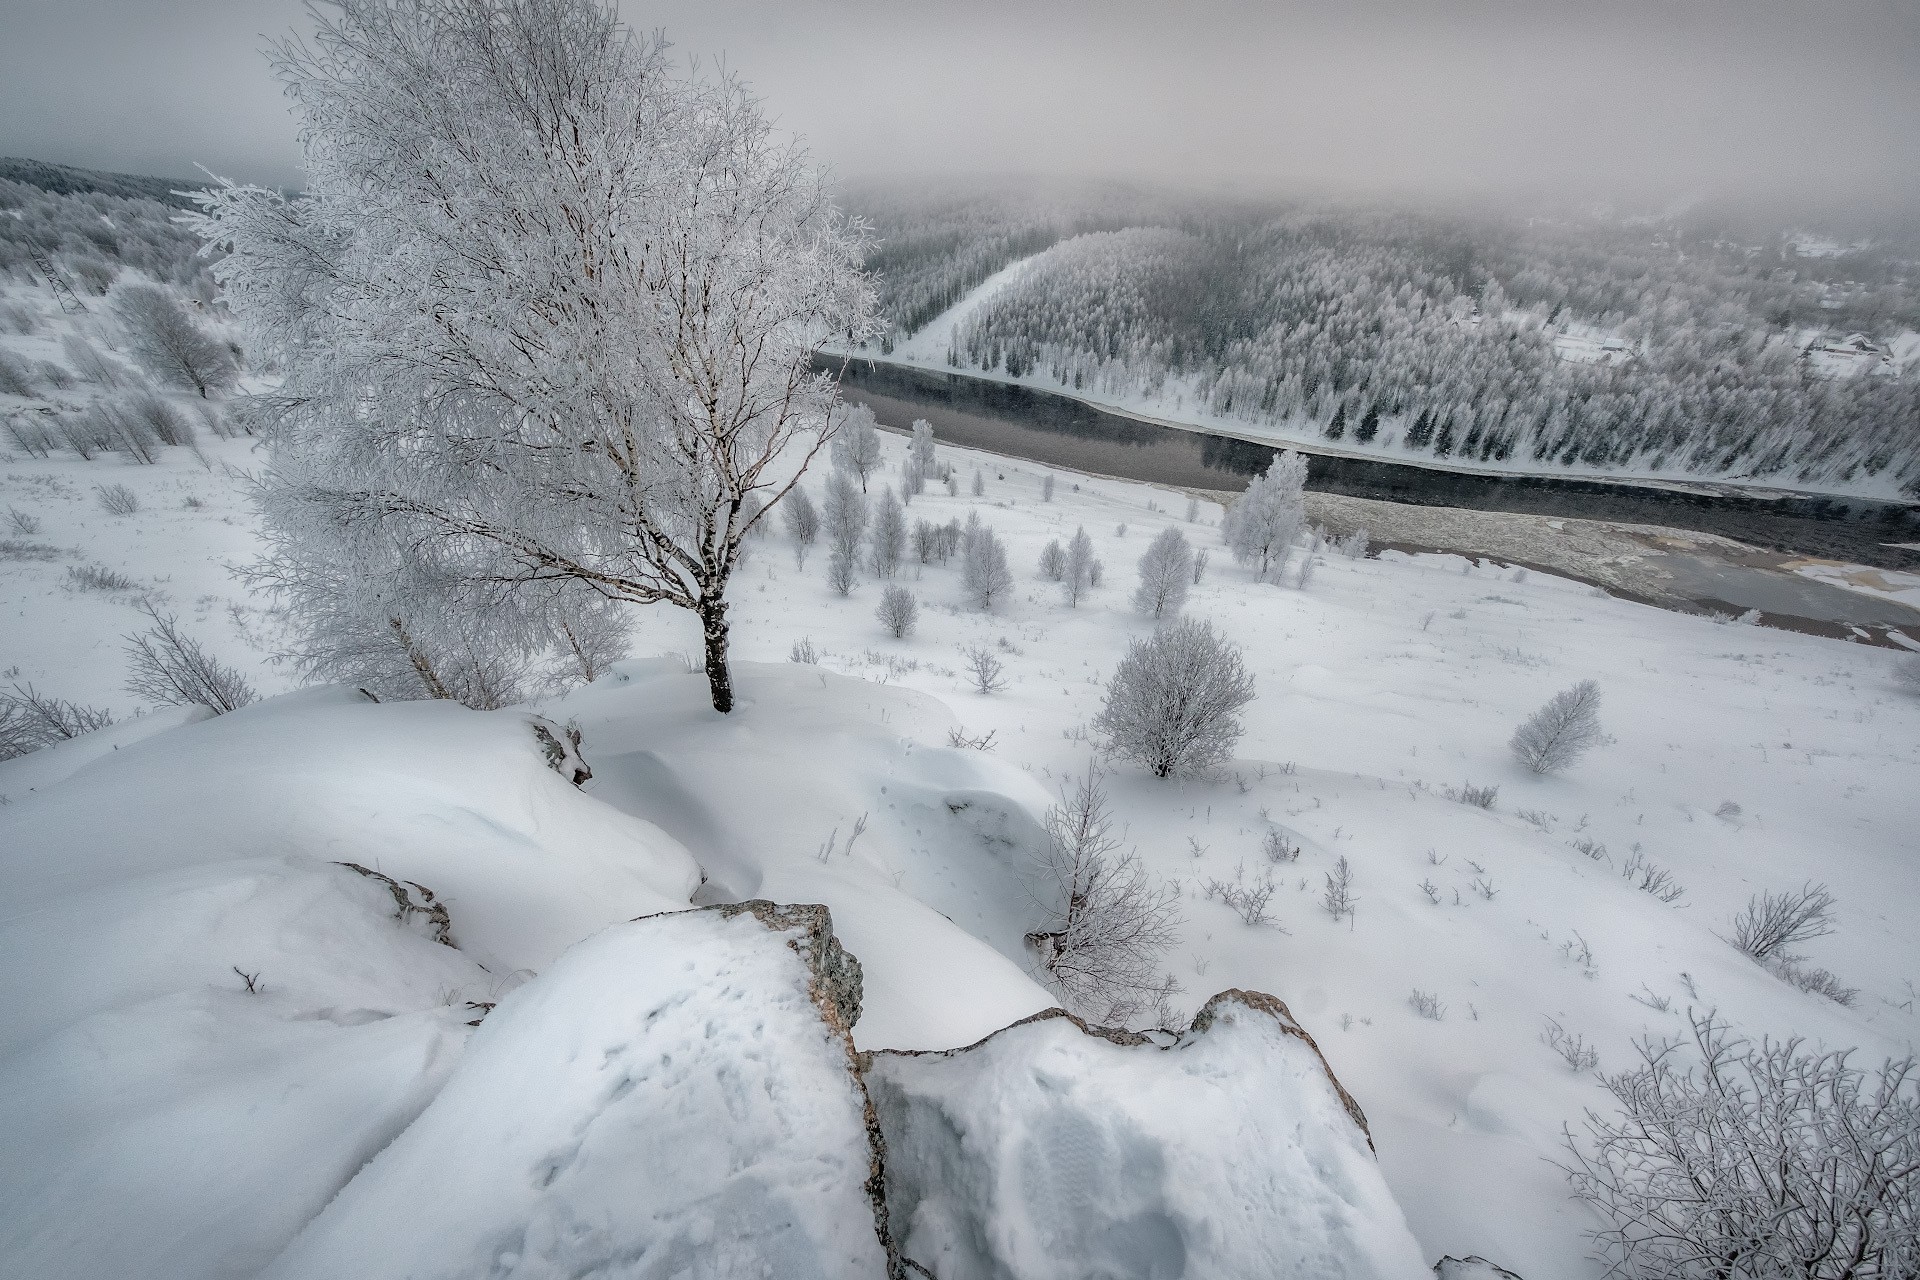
(1587, 344)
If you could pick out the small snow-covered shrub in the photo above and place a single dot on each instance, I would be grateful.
(1741, 1160)
(117, 499)
(1562, 731)
(1199, 566)
(15, 318)
(841, 572)
(1354, 545)
(170, 667)
(804, 652)
(1277, 849)
(1908, 673)
(987, 672)
(1338, 897)
(1478, 797)
(1813, 980)
(1108, 920)
(1573, 1049)
(1650, 877)
(30, 720)
(32, 435)
(97, 577)
(1247, 899)
(16, 379)
(1427, 1005)
(21, 549)
(897, 612)
(1773, 923)
(169, 343)
(1166, 571)
(1173, 703)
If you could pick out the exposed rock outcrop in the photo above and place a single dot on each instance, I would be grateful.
(1229, 1150)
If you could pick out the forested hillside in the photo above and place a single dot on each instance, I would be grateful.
(1573, 343)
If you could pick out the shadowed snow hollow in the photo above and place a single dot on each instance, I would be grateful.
(1057, 1151)
(677, 1097)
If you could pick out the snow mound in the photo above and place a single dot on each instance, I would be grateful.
(1471, 1267)
(820, 788)
(1229, 1151)
(212, 1020)
(676, 1097)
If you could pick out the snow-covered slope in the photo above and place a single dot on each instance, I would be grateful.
(1741, 760)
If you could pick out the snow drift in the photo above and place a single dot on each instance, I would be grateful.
(1056, 1149)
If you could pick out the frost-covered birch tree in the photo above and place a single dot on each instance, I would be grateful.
(1166, 571)
(857, 447)
(547, 302)
(1263, 522)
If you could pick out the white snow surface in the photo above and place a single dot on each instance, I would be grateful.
(1047, 1151)
(666, 1101)
(157, 1120)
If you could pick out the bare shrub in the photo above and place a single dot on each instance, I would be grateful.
(958, 737)
(16, 379)
(1108, 921)
(1248, 899)
(170, 667)
(1173, 703)
(1338, 897)
(1478, 797)
(1573, 1049)
(1739, 1160)
(1562, 731)
(1650, 877)
(117, 499)
(21, 549)
(1773, 923)
(804, 652)
(30, 720)
(987, 671)
(97, 577)
(898, 612)
(1909, 672)
(1427, 1005)
(21, 523)
(1277, 849)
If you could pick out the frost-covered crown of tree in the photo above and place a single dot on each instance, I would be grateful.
(547, 305)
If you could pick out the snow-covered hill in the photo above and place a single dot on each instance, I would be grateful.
(152, 1104)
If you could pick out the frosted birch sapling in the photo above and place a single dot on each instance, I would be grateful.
(857, 446)
(1262, 522)
(545, 292)
(1166, 571)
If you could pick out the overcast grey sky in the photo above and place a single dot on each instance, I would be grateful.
(1640, 97)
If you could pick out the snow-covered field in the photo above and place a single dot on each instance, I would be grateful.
(145, 1089)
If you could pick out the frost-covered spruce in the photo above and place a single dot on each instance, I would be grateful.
(1173, 703)
(983, 567)
(1562, 731)
(1263, 522)
(1080, 568)
(857, 447)
(898, 611)
(887, 545)
(595, 405)
(1166, 571)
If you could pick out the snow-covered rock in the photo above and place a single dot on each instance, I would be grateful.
(1059, 1150)
(1471, 1267)
(677, 1097)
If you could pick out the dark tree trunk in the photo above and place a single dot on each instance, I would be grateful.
(713, 623)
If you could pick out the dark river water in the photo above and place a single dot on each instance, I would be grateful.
(1061, 431)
